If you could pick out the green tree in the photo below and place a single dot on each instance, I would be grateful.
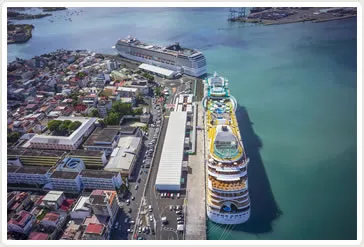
(13, 137)
(74, 125)
(113, 118)
(121, 108)
(138, 111)
(53, 125)
(102, 123)
(94, 113)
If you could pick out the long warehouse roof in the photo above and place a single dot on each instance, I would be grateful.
(170, 164)
(156, 69)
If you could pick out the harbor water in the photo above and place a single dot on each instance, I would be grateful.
(296, 88)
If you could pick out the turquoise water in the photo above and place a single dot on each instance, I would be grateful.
(296, 87)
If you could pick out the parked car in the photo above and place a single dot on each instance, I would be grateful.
(162, 195)
(126, 220)
(151, 218)
(143, 229)
(178, 207)
(140, 229)
(172, 195)
(127, 202)
(179, 222)
(171, 207)
(129, 210)
(132, 222)
(132, 198)
(168, 194)
(129, 230)
(147, 230)
(179, 212)
(178, 195)
(137, 186)
(150, 208)
(179, 218)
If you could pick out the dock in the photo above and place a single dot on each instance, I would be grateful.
(195, 191)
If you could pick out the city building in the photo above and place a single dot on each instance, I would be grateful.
(53, 199)
(103, 139)
(33, 175)
(170, 164)
(104, 203)
(34, 157)
(163, 72)
(124, 156)
(38, 236)
(103, 107)
(21, 222)
(71, 165)
(96, 179)
(65, 142)
(66, 181)
(53, 220)
(91, 159)
(17, 201)
(73, 231)
(95, 232)
(82, 208)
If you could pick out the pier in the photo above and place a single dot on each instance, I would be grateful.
(195, 194)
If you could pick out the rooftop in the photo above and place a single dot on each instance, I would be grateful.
(53, 195)
(38, 236)
(85, 153)
(158, 70)
(96, 219)
(98, 174)
(170, 164)
(94, 229)
(20, 218)
(52, 216)
(34, 152)
(64, 175)
(29, 169)
(101, 136)
(66, 140)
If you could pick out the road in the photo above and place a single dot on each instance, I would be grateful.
(160, 206)
(139, 173)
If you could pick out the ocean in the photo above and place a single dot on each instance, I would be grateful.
(296, 89)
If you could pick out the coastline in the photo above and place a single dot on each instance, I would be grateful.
(279, 16)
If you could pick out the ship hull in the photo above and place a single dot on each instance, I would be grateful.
(228, 218)
(198, 72)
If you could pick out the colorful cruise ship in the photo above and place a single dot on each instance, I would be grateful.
(227, 195)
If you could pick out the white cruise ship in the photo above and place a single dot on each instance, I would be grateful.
(227, 195)
(173, 57)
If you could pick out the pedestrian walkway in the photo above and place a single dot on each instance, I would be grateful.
(196, 210)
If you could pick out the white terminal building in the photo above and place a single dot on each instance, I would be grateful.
(70, 142)
(170, 164)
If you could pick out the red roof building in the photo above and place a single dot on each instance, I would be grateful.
(95, 229)
(38, 236)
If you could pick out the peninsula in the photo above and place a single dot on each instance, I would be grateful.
(284, 15)
(19, 33)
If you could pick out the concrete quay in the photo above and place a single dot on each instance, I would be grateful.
(195, 193)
